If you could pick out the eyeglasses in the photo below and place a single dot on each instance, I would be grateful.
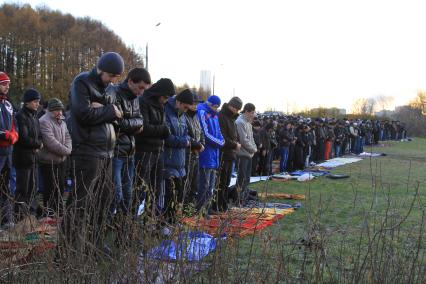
(4, 83)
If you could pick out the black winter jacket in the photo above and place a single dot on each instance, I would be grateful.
(285, 137)
(24, 151)
(92, 130)
(155, 129)
(131, 122)
(229, 132)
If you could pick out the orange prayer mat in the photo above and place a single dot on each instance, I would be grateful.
(237, 222)
(281, 195)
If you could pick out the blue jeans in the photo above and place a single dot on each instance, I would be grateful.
(337, 150)
(5, 194)
(123, 173)
(12, 181)
(284, 159)
(205, 188)
(361, 145)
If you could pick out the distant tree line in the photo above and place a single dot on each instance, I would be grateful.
(46, 49)
(201, 93)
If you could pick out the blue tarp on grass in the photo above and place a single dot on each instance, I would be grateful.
(190, 246)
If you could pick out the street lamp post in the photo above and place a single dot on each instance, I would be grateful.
(146, 50)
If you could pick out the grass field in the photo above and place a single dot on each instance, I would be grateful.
(368, 228)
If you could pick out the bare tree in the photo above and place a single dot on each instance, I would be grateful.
(364, 106)
(383, 102)
(419, 102)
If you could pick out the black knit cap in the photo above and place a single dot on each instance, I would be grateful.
(111, 62)
(55, 104)
(186, 97)
(31, 95)
(236, 102)
(163, 87)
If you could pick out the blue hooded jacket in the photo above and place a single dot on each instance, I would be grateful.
(177, 142)
(209, 158)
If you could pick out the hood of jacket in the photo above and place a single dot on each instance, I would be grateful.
(225, 111)
(206, 108)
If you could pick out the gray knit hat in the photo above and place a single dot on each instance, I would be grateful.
(55, 104)
(236, 102)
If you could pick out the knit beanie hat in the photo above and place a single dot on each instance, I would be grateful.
(55, 104)
(31, 95)
(163, 87)
(249, 107)
(186, 97)
(214, 100)
(111, 62)
(236, 102)
(4, 78)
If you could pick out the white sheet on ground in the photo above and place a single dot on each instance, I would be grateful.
(284, 176)
(368, 154)
(336, 162)
(252, 180)
(305, 177)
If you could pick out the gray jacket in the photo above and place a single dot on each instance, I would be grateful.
(56, 140)
(245, 137)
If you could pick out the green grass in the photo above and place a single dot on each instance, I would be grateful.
(368, 228)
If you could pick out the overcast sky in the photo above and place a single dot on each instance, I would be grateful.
(275, 53)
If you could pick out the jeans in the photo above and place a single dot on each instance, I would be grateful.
(123, 169)
(361, 144)
(337, 150)
(206, 186)
(284, 159)
(5, 194)
(12, 181)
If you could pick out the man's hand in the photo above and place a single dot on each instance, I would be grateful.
(96, 105)
(118, 112)
(201, 149)
(139, 130)
(238, 147)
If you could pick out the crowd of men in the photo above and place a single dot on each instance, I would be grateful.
(299, 142)
(131, 143)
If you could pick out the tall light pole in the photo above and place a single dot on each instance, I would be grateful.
(214, 79)
(146, 50)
